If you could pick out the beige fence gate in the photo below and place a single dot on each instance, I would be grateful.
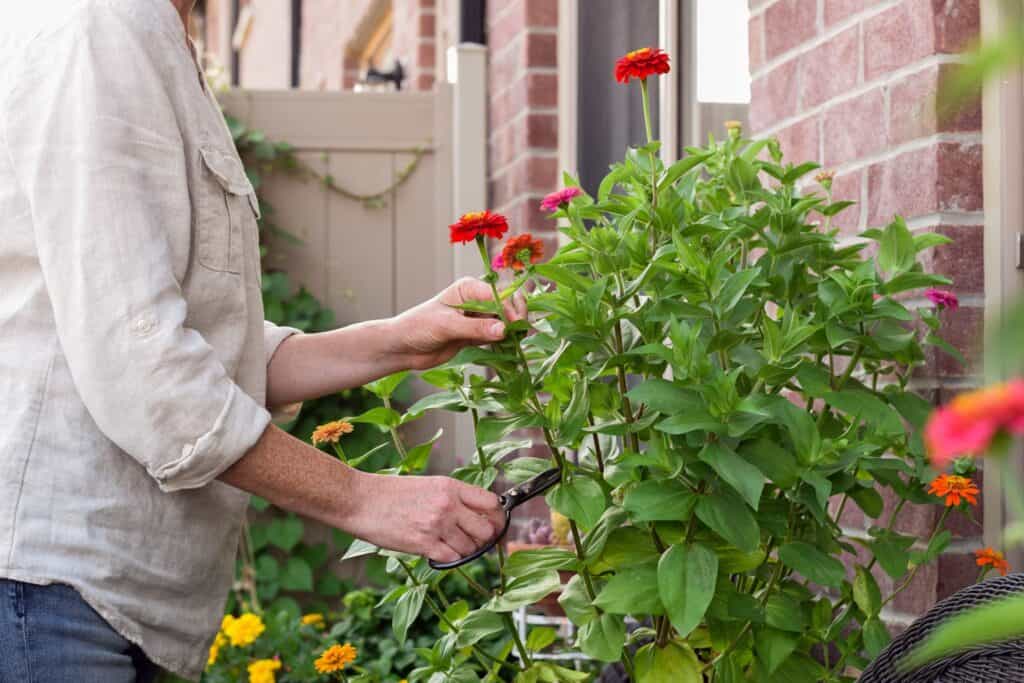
(373, 260)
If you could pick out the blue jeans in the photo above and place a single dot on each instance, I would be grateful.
(49, 634)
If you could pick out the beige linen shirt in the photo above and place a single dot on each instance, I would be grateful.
(133, 351)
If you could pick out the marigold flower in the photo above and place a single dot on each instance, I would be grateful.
(244, 630)
(954, 489)
(646, 61)
(943, 299)
(218, 642)
(262, 670)
(335, 658)
(331, 432)
(993, 558)
(969, 423)
(478, 224)
(559, 198)
(314, 619)
(512, 251)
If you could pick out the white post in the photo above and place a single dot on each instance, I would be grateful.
(467, 74)
(668, 86)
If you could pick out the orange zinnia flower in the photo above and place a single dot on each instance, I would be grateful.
(647, 61)
(969, 423)
(478, 224)
(335, 658)
(954, 489)
(510, 254)
(994, 558)
(331, 432)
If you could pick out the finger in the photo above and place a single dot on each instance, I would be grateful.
(519, 304)
(476, 526)
(479, 499)
(457, 539)
(442, 552)
(512, 309)
(475, 330)
(472, 289)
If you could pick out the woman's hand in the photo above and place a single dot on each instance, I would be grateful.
(433, 332)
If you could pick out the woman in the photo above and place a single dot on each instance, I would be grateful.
(136, 372)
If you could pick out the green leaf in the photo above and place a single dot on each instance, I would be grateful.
(540, 638)
(602, 638)
(801, 427)
(868, 500)
(490, 429)
(896, 252)
(734, 288)
(297, 575)
(665, 397)
(690, 422)
(659, 500)
(813, 564)
(777, 463)
(913, 280)
(774, 647)
(478, 625)
(746, 479)
(876, 636)
(407, 610)
(527, 561)
(285, 533)
(417, 456)
(988, 623)
(381, 417)
(620, 594)
(783, 612)
(674, 663)
(525, 590)
(442, 400)
(581, 499)
(686, 584)
(730, 518)
(385, 386)
(575, 602)
(562, 275)
(359, 548)
(267, 568)
(892, 556)
(868, 407)
(866, 593)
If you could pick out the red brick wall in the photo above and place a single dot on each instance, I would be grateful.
(852, 84)
(523, 115)
(413, 41)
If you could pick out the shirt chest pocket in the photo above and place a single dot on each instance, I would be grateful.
(226, 214)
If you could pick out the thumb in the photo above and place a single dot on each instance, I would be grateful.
(479, 330)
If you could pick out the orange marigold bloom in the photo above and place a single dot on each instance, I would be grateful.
(335, 658)
(646, 61)
(478, 224)
(969, 423)
(331, 432)
(993, 558)
(511, 251)
(954, 489)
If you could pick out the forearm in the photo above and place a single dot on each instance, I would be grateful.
(308, 366)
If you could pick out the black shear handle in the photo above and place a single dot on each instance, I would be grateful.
(510, 500)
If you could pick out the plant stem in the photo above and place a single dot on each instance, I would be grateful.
(627, 408)
(647, 110)
(597, 446)
(473, 583)
(395, 436)
(913, 572)
(584, 572)
(523, 654)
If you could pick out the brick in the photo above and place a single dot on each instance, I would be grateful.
(956, 24)
(954, 571)
(961, 261)
(542, 50)
(944, 177)
(963, 329)
(503, 147)
(425, 55)
(914, 104)
(542, 90)
(542, 130)
(773, 96)
(847, 187)
(426, 25)
(915, 29)
(788, 23)
(508, 26)
(920, 594)
(855, 128)
(830, 69)
(542, 13)
(525, 214)
(755, 42)
(799, 142)
(837, 10)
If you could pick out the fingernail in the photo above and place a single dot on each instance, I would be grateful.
(498, 329)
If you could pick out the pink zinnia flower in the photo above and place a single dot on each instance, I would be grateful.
(498, 262)
(942, 298)
(969, 423)
(555, 200)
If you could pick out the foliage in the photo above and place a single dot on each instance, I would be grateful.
(709, 365)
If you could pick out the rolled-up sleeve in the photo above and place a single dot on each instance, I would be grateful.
(105, 178)
(273, 336)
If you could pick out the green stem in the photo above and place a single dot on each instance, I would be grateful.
(627, 408)
(584, 572)
(913, 572)
(597, 445)
(523, 654)
(395, 436)
(473, 583)
(647, 111)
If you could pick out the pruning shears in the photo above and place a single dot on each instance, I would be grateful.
(509, 501)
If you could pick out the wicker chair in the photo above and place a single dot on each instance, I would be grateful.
(985, 664)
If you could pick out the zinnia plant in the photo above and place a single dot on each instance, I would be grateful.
(719, 378)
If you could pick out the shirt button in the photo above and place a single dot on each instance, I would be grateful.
(143, 325)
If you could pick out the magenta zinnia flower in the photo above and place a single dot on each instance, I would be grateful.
(943, 298)
(969, 423)
(556, 200)
(498, 262)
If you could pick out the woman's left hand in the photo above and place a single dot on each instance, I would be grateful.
(434, 331)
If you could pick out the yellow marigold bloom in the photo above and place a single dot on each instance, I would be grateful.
(218, 642)
(314, 619)
(244, 630)
(335, 658)
(331, 432)
(262, 670)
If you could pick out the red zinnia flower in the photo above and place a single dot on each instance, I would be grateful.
(969, 423)
(954, 489)
(556, 199)
(519, 243)
(479, 223)
(943, 299)
(994, 558)
(641, 63)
